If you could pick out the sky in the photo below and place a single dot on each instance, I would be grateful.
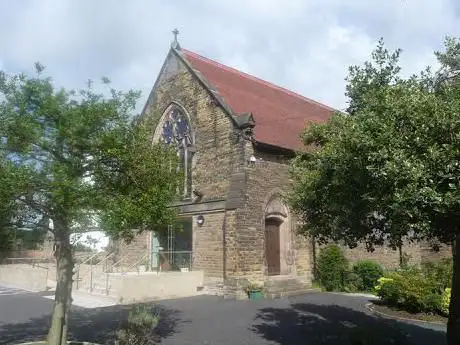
(302, 45)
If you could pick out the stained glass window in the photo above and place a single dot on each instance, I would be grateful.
(176, 131)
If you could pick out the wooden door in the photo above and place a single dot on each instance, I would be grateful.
(272, 246)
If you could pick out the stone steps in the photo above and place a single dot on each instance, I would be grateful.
(275, 295)
(277, 287)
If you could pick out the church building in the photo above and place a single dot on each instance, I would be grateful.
(234, 134)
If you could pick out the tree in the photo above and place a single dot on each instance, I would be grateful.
(389, 169)
(72, 159)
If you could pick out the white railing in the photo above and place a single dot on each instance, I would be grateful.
(167, 261)
(91, 261)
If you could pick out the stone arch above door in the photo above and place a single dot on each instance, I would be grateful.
(275, 208)
(278, 237)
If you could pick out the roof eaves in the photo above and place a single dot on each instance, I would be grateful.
(152, 92)
(207, 85)
(244, 120)
(284, 150)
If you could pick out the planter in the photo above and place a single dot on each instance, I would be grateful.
(255, 295)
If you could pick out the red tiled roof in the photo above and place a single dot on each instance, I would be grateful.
(280, 114)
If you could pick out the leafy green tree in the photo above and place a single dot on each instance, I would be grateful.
(390, 168)
(70, 159)
(332, 266)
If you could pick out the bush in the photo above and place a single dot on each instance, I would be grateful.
(353, 282)
(139, 328)
(439, 273)
(388, 291)
(431, 302)
(445, 303)
(331, 268)
(368, 272)
(410, 290)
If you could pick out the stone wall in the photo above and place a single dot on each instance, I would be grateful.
(131, 253)
(417, 253)
(208, 253)
(213, 129)
(213, 161)
(428, 253)
(384, 255)
(267, 178)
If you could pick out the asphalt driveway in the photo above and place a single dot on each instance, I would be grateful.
(311, 319)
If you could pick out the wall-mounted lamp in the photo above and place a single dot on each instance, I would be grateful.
(200, 220)
(252, 160)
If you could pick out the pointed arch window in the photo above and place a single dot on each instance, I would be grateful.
(176, 131)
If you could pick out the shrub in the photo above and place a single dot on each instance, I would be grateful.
(369, 272)
(352, 282)
(331, 268)
(431, 302)
(139, 327)
(410, 290)
(252, 287)
(445, 303)
(388, 291)
(439, 273)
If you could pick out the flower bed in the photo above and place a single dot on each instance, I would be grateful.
(414, 290)
(403, 314)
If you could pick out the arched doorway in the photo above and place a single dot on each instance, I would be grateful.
(273, 246)
(279, 258)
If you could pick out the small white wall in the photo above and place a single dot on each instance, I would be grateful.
(24, 276)
(141, 287)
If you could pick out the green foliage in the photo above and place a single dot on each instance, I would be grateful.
(253, 286)
(71, 161)
(389, 169)
(388, 291)
(139, 328)
(412, 290)
(331, 268)
(80, 247)
(431, 302)
(445, 304)
(75, 157)
(368, 272)
(6, 240)
(352, 282)
(439, 273)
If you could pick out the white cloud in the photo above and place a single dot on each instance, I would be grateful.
(306, 46)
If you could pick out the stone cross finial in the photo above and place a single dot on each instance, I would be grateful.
(175, 43)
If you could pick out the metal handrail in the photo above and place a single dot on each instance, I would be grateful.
(29, 261)
(116, 263)
(137, 263)
(90, 259)
(106, 259)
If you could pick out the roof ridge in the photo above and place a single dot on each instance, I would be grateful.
(250, 76)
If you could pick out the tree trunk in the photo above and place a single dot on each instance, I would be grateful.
(57, 334)
(453, 325)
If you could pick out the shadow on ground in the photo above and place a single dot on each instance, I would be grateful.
(312, 324)
(93, 325)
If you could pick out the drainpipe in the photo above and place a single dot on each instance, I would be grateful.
(224, 244)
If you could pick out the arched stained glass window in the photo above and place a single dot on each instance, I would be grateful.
(176, 131)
